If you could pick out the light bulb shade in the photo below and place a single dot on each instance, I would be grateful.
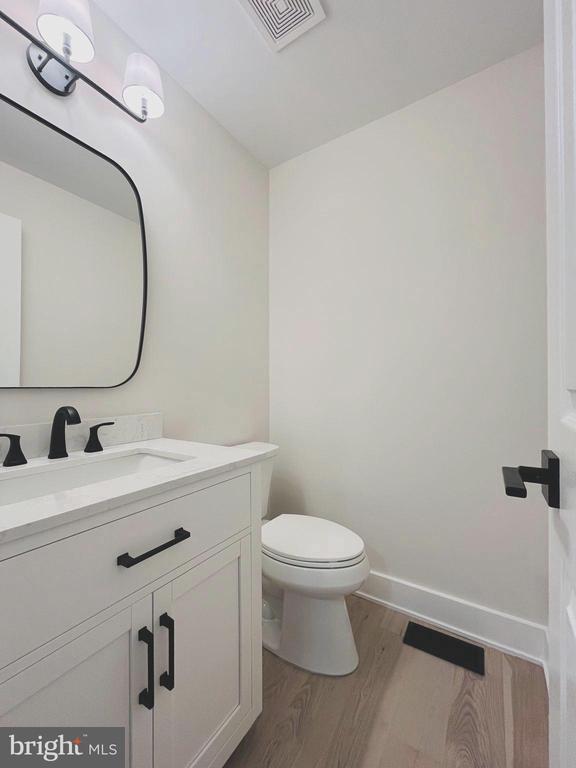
(143, 92)
(60, 18)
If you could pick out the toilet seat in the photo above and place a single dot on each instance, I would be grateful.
(311, 542)
(314, 563)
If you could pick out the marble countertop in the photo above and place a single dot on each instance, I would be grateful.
(196, 462)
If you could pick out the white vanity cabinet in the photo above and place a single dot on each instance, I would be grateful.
(167, 646)
(92, 681)
(210, 608)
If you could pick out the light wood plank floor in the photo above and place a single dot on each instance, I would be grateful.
(401, 709)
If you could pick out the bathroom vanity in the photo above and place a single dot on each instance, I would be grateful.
(131, 577)
(132, 596)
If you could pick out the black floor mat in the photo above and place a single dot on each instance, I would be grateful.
(445, 647)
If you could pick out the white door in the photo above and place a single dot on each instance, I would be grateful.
(560, 50)
(95, 680)
(205, 693)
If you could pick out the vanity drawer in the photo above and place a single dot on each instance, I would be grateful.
(51, 589)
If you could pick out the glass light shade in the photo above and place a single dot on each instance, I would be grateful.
(143, 92)
(60, 18)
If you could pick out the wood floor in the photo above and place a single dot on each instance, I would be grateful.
(401, 709)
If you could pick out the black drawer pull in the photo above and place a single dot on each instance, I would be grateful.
(127, 561)
(146, 697)
(167, 679)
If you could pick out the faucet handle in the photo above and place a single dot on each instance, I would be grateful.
(94, 445)
(15, 456)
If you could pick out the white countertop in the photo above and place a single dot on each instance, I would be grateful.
(43, 512)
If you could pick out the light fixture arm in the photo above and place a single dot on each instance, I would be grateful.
(75, 73)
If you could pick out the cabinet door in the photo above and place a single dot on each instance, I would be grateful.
(211, 612)
(94, 680)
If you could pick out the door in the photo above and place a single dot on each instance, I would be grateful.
(560, 18)
(202, 628)
(94, 680)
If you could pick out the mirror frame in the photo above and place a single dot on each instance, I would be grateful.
(134, 188)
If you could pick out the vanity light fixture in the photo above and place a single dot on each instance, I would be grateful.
(66, 26)
(66, 36)
(143, 92)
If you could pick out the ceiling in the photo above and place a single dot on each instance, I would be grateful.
(367, 59)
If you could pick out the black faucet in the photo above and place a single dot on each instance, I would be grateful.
(94, 445)
(14, 457)
(65, 415)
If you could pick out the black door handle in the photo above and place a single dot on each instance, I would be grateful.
(127, 561)
(167, 679)
(146, 697)
(548, 476)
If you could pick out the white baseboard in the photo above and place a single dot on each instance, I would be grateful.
(486, 626)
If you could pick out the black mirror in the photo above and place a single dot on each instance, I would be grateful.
(73, 272)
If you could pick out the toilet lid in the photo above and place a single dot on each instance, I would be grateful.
(305, 539)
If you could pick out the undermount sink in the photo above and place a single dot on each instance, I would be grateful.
(68, 474)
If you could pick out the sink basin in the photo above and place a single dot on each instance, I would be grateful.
(31, 482)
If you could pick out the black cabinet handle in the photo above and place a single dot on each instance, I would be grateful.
(167, 678)
(127, 561)
(146, 697)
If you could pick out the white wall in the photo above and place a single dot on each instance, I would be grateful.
(205, 200)
(408, 347)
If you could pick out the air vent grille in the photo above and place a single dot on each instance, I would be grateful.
(282, 21)
(282, 16)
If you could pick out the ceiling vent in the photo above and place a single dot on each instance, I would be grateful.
(282, 21)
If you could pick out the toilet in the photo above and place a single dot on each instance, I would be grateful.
(309, 565)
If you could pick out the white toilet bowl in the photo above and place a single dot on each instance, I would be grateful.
(309, 566)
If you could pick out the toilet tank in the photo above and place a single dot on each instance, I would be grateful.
(266, 468)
